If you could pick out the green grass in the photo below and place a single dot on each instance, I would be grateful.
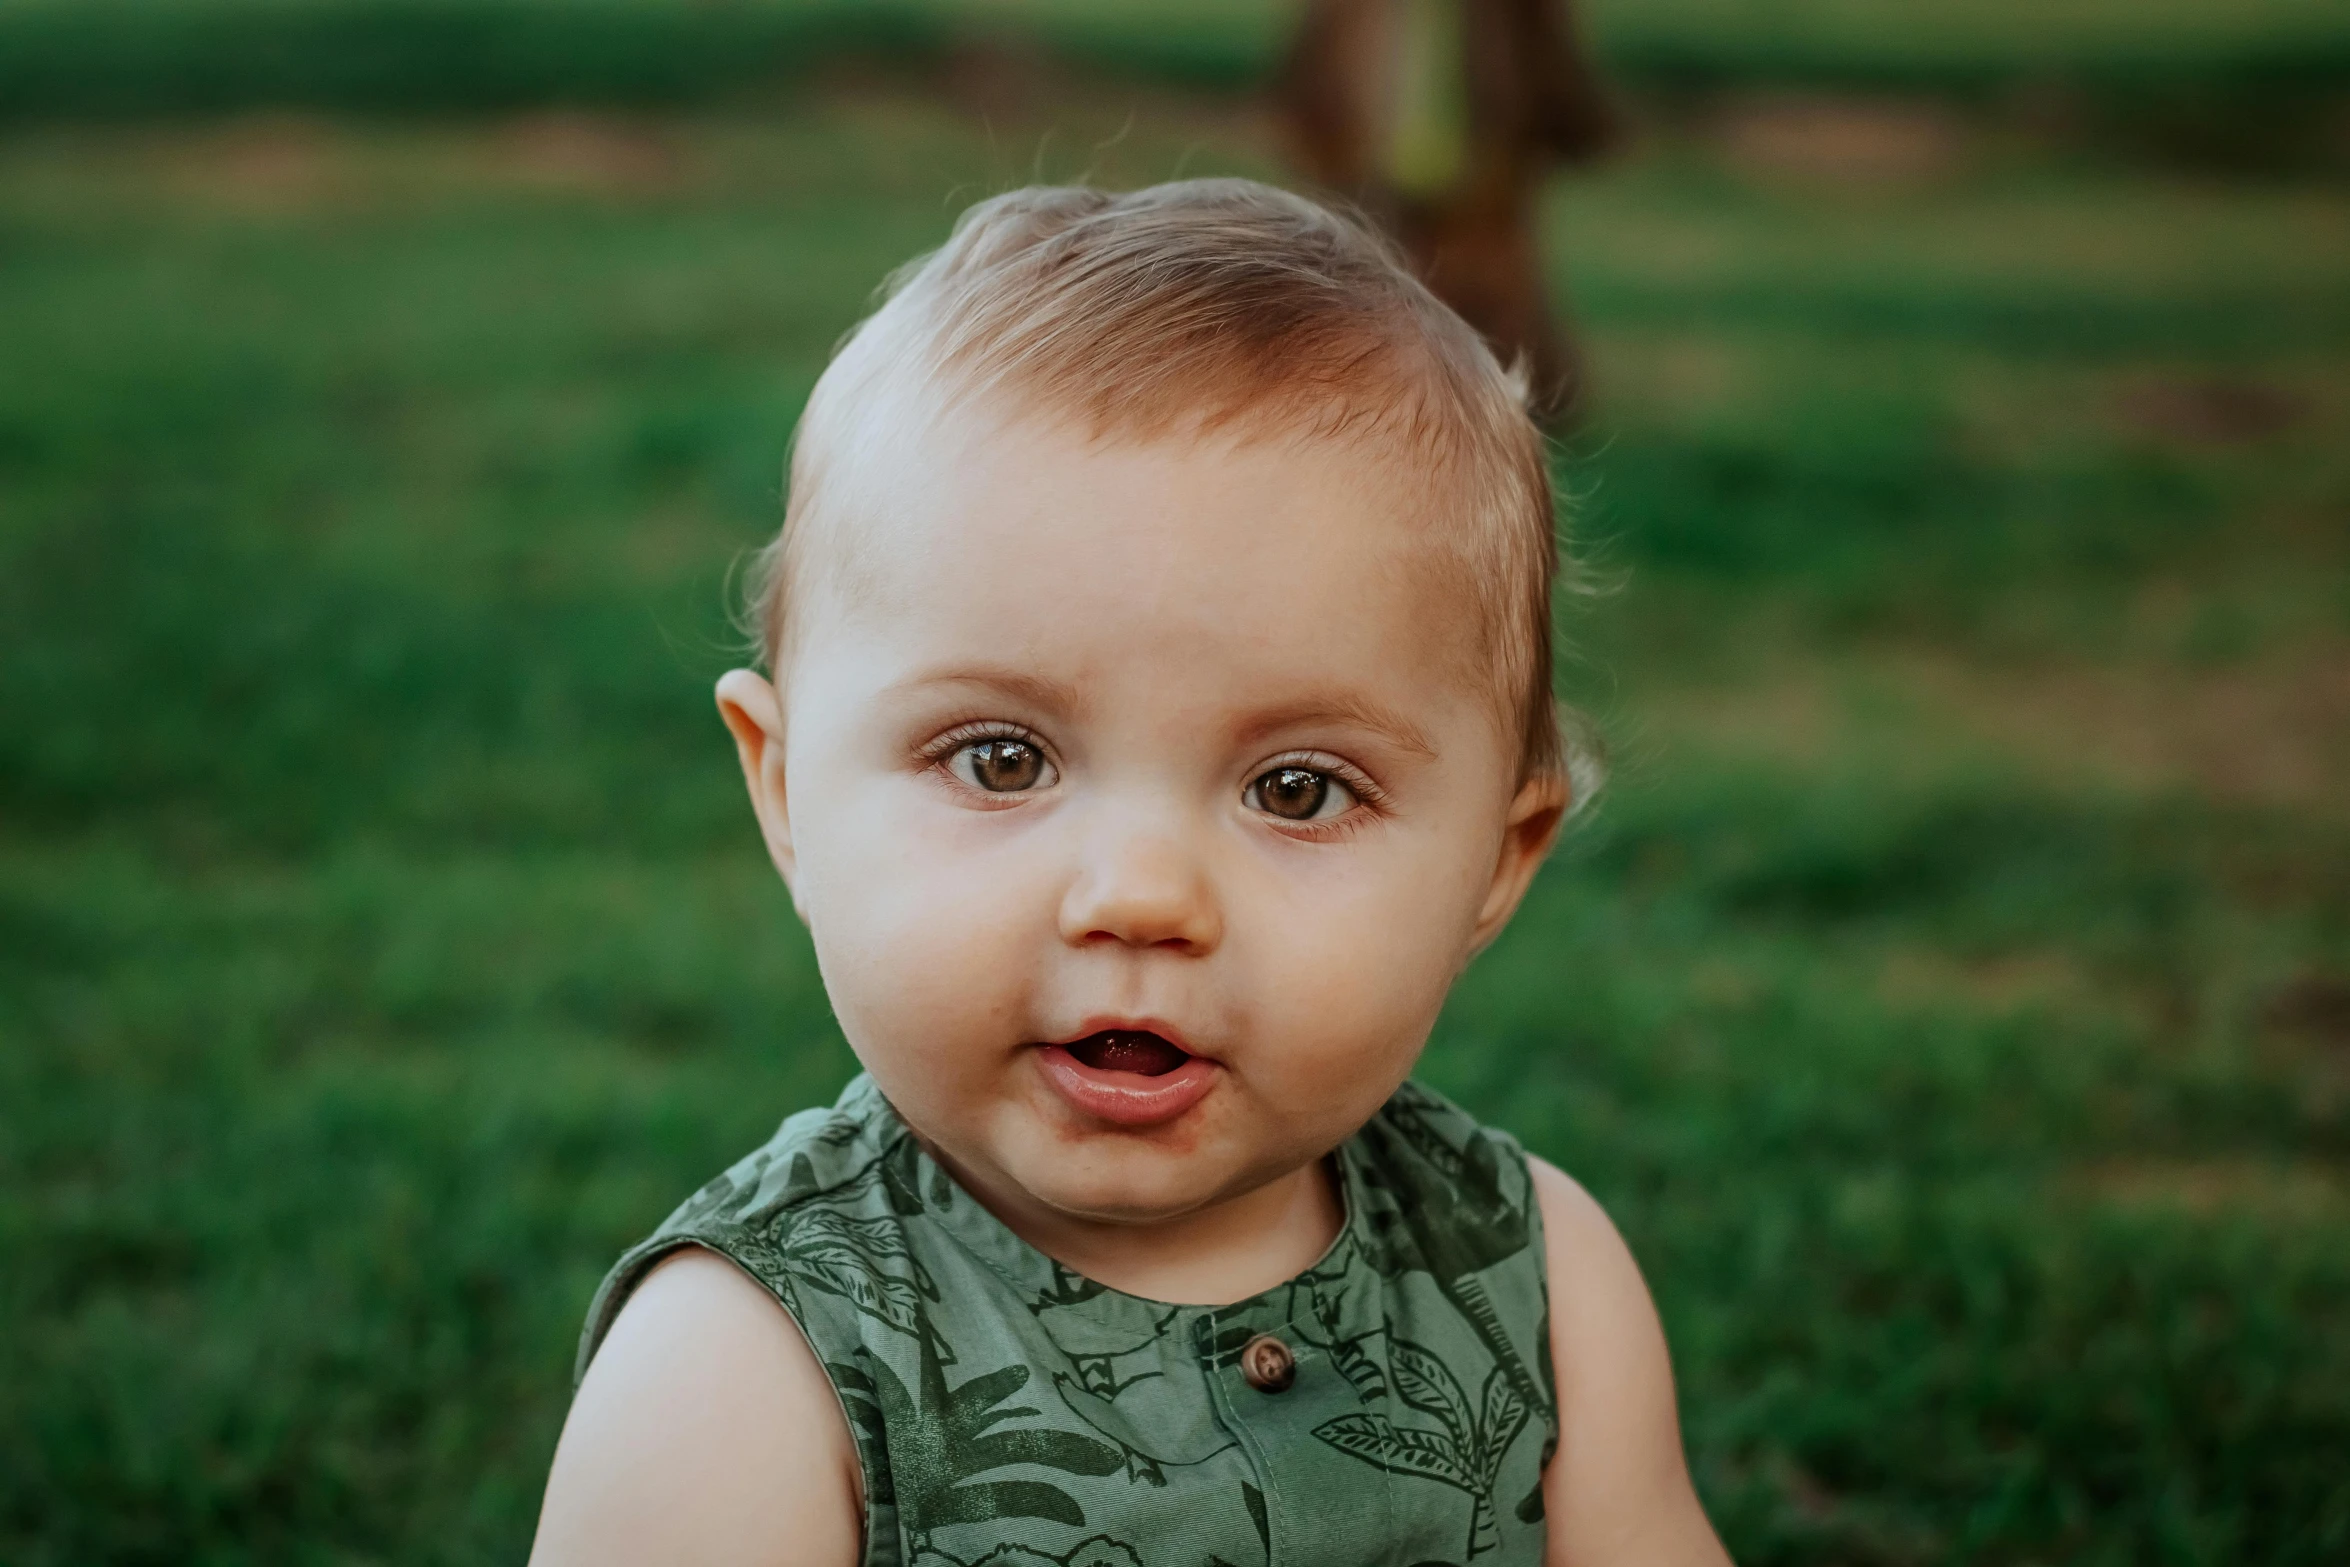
(1951, 998)
(2195, 65)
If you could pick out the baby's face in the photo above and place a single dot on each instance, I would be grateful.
(1143, 802)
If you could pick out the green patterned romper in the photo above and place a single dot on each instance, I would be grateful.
(1391, 1404)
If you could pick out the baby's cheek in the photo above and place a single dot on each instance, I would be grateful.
(1341, 1052)
(1337, 1021)
(917, 951)
(1347, 983)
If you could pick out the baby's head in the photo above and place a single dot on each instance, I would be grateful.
(1160, 712)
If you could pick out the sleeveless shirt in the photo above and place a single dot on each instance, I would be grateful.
(1008, 1412)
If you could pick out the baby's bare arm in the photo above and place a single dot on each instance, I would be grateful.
(1618, 1490)
(705, 1433)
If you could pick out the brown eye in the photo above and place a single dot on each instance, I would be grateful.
(1298, 794)
(1002, 766)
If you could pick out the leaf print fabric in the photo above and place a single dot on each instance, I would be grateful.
(1011, 1413)
(1466, 1453)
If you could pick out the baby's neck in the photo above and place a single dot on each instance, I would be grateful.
(1214, 1256)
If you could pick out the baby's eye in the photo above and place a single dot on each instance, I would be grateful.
(1001, 766)
(1298, 794)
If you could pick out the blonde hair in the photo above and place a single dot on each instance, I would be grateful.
(1201, 308)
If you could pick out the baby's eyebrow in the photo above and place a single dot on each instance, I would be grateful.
(1345, 707)
(1022, 685)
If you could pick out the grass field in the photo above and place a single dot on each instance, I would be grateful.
(2258, 80)
(1951, 998)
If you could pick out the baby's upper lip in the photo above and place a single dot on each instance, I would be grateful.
(1133, 1025)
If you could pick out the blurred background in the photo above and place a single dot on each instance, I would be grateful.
(1950, 997)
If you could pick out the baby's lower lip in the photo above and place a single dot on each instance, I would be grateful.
(1127, 1098)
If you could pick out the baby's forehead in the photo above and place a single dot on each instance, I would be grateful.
(1050, 506)
(1041, 535)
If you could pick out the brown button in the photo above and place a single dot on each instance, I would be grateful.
(1268, 1364)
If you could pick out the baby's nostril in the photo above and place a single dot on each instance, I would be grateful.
(1115, 1050)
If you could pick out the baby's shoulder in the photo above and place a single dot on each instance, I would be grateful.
(1620, 1489)
(1449, 1196)
(700, 1384)
(704, 1430)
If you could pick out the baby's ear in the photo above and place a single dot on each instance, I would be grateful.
(753, 712)
(1527, 833)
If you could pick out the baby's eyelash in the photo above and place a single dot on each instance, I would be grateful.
(973, 732)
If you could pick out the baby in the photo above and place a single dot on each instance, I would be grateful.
(1157, 720)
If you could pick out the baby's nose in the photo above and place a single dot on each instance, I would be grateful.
(1143, 890)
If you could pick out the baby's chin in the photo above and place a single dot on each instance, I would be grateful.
(1103, 1192)
(1091, 1174)
(1110, 1176)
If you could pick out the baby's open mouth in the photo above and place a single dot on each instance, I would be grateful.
(1117, 1050)
(1131, 1078)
